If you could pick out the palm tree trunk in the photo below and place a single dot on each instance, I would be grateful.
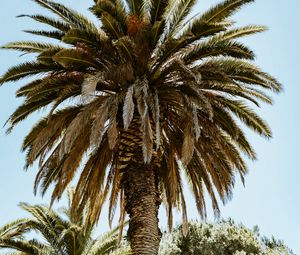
(142, 197)
(142, 203)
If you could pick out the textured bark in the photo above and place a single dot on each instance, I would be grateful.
(142, 199)
(142, 203)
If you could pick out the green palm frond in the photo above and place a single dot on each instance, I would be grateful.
(243, 71)
(226, 48)
(223, 10)
(29, 47)
(238, 33)
(135, 7)
(178, 14)
(71, 57)
(25, 70)
(59, 235)
(111, 25)
(27, 247)
(70, 16)
(114, 8)
(223, 41)
(60, 25)
(157, 10)
(245, 114)
(24, 110)
(55, 34)
(11, 229)
(74, 36)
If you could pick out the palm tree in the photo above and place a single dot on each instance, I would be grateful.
(61, 235)
(137, 100)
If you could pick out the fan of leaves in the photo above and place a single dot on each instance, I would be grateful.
(184, 81)
(61, 234)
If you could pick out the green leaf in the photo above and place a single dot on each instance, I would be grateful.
(29, 47)
(75, 36)
(158, 9)
(135, 7)
(114, 8)
(72, 57)
(26, 69)
(111, 26)
(62, 26)
(68, 15)
(226, 48)
(156, 32)
(56, 34)
(223, 10)
(248, 116)
(237, 33)
(179, 12)
(46, 57)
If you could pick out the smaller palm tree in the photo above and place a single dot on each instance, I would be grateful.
(61, 234)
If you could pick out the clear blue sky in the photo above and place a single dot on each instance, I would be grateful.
(271, 196)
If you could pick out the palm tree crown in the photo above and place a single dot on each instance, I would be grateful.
(146, 84)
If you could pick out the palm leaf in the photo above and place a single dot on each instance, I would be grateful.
(177, 15)
(60, 25)
(29, 47)
(157, 10)
(223, 10)
(55, 34)
(70, 16)
(114, 8)
(248, 116)
(72, 57)
(26, 69)
(75, 36)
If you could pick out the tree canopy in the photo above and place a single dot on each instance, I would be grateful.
(136, 101)
(224, 237)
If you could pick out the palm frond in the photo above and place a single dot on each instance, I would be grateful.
(177, 15)
(248, 116)
(158, 9)
(29, 47)
(223, 10)
(115, 8)
(72, 57)
(70, 16)
(75, 36)
(55, 34)
(135, 7)
(26, 69)
(60, 25)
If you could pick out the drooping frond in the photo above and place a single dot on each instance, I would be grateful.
(128, 109)
(57, 234)
(26, 69)
(248, 116)
(11, 230)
